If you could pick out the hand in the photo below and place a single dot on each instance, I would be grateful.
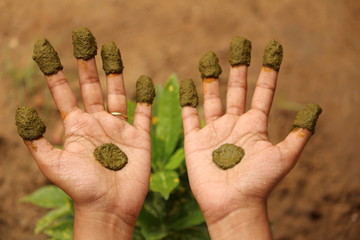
(107, 202)
(233, 200)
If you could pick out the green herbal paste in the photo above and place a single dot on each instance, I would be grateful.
(273, 55)
(111, 58)
(84, 43)
(46, 57)
(227, 156)
(111, 156)
(145, 90)
(188, 93)
(209, 65)
(29, 125)
(240, 51)
(307, 117)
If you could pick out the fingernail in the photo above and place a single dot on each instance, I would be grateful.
(145, 90)
(209, 65)
(84, 43)
(273, 55)
(46, 57)
(29, 125)
(240, 51)
(307, 117)
(111, 58)
(188, 94)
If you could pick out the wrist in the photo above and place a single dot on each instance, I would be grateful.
(249, 222)
(90, 224)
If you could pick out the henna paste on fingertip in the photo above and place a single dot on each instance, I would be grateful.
(209, 66)
(46, 57)
(145, 90)
(84, 43)
(240, 51)
(29, 125)
(188, 94)
(307, 117)
(273, 55)
(111, 58)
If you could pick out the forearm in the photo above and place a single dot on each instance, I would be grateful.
(97, 225)
(249, 223)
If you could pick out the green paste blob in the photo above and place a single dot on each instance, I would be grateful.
(209, 65)
(273, 55)
(111, 156)
(240, 51)
(29, 125)
(111, 58)
(227, 156)
(46, 57)
(145, 90)
(188, 94)
(307, 117)
(84, 43)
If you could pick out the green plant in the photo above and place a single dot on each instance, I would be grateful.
(170, 211)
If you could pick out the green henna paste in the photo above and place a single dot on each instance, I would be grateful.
(307, 117)
(111, 156)
(273, 55)
(227, 156)
(29, 125)
(46, 57)
(188, 94)
(145, 90)
(84, 43)
(240, 51)
(111, 58)
(209, 65)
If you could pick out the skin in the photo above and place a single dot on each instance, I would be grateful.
(107, 202)
(234, 201)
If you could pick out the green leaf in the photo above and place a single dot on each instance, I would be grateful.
(175, 160)
(164, 182)
(189, 215)
(47, 197)
(130, 111)
(63, 230)
(51, 217)
(168, 127)
(198, 233)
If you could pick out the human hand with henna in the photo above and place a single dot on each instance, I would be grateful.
(233, 200)
(107, 202)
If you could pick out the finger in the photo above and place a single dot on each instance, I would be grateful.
(145, 94)
(239, 58)
(303, 127)
(236, 93)
(292, 146)
(62, 94)
(113, 67)
(49, 63)
(188, 102)
(266, 84)
(116, 99)
(210, 70)
(85, 49)
(45, 155)
(190, 119)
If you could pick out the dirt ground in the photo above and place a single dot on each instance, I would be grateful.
(319, 199)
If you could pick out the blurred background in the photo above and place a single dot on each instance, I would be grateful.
(319, 199)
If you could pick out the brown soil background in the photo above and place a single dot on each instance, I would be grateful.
(319, 199)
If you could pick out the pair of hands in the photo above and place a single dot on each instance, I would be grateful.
(107, 203)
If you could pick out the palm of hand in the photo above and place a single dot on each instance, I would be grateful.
(249, 180)
(86, 180)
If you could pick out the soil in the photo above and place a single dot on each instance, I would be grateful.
(319, 199)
